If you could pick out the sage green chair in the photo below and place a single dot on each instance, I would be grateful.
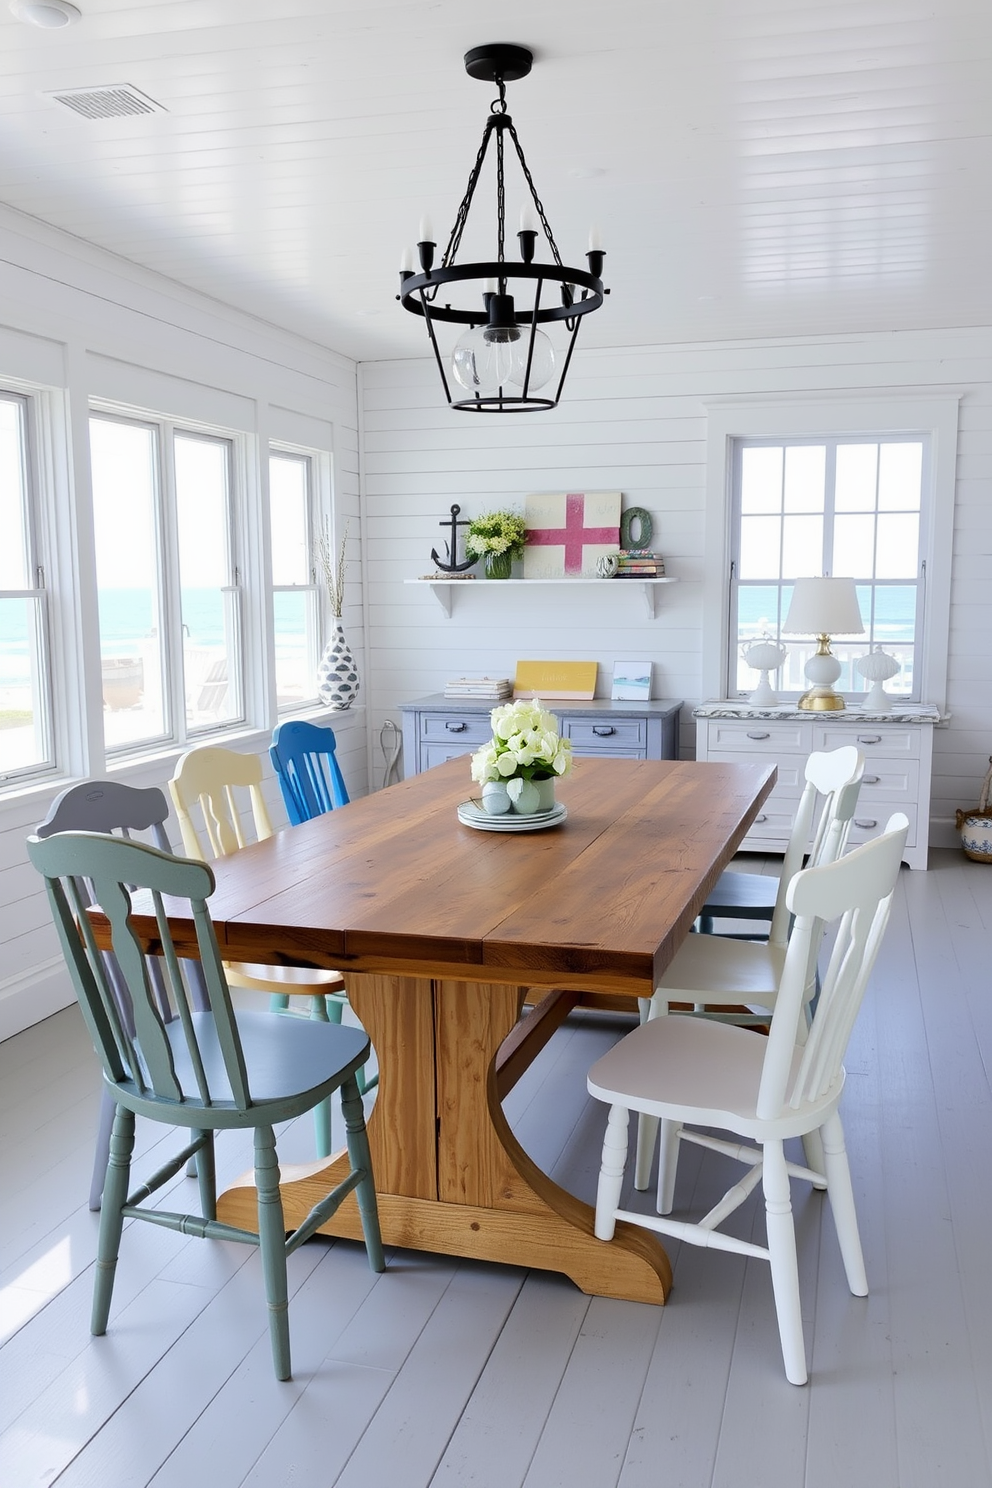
(206, 1071)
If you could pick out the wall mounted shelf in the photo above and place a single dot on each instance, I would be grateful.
(443, 588)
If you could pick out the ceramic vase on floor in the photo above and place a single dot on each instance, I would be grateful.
(337, 674)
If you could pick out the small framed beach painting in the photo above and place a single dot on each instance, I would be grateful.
(631, 681)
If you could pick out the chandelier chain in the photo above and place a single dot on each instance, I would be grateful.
(534, 196)
(461, 217)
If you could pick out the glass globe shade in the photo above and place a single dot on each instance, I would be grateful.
(487, 358)
(483, 358)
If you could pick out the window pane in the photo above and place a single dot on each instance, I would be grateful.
(761, 479)
(24, 730)
(805, 473)
(288, 507)
(802, 546)
(898, 546)
(854, 546)
(857, 473)
(210, 615)
(124, 512)
(760, 541)
(295, 620)
(900, 477)
(14, 555)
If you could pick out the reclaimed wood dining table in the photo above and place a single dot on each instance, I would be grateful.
(442, 932)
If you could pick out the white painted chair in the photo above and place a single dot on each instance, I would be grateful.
(717, 975)
(209, 778)
(710, 1074)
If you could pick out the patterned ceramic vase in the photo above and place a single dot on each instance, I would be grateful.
(337, 674)
(976, 835)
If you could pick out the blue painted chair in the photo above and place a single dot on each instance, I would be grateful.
(207, 1071)
(304, 759)
(109, 806)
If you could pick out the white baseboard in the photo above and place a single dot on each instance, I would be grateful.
(34, 996)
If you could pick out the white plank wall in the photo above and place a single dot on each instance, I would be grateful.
(75, 317)
(634, 419)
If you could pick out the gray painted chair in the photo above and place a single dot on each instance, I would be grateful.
(207, 1071)
(109, 806)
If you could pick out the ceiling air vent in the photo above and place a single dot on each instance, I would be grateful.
(114, 101)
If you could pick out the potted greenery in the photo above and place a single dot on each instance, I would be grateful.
(497, 538)
(976, 826)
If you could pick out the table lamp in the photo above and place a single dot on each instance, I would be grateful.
(823, 607)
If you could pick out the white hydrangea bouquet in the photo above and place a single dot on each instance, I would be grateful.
(517, 769)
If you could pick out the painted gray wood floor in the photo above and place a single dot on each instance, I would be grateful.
(450, 1374)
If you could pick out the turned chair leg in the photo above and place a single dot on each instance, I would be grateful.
(272, 1243)
(841, 1195)
(782, 1254)
(112, 1217)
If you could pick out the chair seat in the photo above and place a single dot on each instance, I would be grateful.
(743, 896)
(714, 969)
(291, 981)
(291, 1066)
(702, 1072)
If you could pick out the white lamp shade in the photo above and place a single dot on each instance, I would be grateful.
(824, 607)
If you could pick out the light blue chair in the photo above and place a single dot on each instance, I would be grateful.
(304, 759)
(207, 1071)
(109, 806)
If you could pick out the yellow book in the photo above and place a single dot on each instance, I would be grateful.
(551, 680)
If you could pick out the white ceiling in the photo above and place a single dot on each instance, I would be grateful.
(756, 167)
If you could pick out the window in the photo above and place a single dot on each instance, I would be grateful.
(878, 430)
(846, 506)
(26, 740)
(296, 596)
(169, 598)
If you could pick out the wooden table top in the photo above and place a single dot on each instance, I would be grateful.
(395, 883)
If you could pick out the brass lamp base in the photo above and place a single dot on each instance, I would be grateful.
(821, 700)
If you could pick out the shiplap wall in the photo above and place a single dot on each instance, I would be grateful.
(79, 319)
(635, 420)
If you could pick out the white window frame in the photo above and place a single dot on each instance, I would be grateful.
(318, 485)
(177, 732)
(29, 403)
(934, 415)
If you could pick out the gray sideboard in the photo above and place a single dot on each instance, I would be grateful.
(437, 728)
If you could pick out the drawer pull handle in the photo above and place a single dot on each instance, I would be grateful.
(604, 730)
(760, 818)
(869, 738)
(864, 822)
(456, 728)
(870, 779)
(757, 734)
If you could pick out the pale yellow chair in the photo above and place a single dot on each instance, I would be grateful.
(209, 779)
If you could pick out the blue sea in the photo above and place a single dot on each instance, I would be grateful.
(127, 619)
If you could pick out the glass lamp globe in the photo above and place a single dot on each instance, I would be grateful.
(487, 358)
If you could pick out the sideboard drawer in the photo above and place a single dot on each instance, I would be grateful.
(468, 729)
(623, 736)
(885, 739)
(759, 736)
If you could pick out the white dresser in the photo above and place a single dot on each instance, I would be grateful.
(898, 751)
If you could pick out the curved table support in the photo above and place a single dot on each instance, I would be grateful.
(449, 1173)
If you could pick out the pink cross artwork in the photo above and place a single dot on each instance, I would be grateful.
(567, 531)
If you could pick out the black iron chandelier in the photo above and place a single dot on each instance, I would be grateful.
(503, 361)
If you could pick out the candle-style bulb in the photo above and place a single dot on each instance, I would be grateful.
(595, 240)
(426, 230)
(527, 219)
(406, 261)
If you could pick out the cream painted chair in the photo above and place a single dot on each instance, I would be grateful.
(691, 1071)
(209, 778)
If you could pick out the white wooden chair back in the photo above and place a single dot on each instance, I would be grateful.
(208, 777)
(836, 775)
(856, 890)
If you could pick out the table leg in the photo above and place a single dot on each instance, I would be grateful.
(450, 1175)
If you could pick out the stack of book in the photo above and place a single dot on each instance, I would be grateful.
(486, 689)
(640, 563)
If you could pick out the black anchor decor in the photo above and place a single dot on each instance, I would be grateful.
(451, 548)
